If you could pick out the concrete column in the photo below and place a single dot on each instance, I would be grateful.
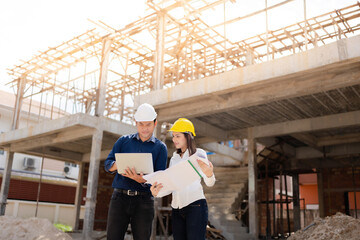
(101, 91)
(78, 196)
(92, 184)
(5, 184)
(252, 170)
(320, 184)
(158, 74)
(296, 202)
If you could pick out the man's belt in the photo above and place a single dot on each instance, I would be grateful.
(130, 192)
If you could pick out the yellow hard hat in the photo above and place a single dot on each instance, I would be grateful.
(183, 125)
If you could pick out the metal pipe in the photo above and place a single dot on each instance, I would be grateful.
(268, 223)
(353, 178)
(281, 206)
(287, 205)
(274, 207)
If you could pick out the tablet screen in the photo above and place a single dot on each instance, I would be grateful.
(142, 162)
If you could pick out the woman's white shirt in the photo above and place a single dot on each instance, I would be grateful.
(194, 191)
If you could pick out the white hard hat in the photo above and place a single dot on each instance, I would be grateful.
(145, 112)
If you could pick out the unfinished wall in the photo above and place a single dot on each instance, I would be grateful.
(25, 189)
(103, 197)
(338, 182)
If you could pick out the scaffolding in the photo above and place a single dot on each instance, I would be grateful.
(180, 46)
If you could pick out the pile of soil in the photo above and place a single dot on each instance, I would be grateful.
(336, 227)
(12, 228)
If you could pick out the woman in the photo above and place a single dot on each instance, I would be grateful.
(189, 207)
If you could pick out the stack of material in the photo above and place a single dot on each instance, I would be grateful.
(336, 227)
(12, 228)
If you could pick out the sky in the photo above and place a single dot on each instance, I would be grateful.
(30, 26)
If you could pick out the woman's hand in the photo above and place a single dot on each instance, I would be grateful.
(131, 173)
(206, 169)
(155, 188)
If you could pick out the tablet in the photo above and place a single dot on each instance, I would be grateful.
(142, 162)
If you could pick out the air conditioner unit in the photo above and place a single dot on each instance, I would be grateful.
(29, 163)
(71, 172)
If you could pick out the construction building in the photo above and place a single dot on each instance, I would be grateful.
(290, 96)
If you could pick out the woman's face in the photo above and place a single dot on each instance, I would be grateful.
(179, 140)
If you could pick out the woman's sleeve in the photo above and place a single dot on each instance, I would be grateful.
(209, 181)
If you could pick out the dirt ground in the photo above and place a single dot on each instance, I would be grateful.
(336, 227)
(12, 228)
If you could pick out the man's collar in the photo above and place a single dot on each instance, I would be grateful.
(151, 139)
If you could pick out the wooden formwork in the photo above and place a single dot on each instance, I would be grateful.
(66, 77)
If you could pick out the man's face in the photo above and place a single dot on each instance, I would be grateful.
(145, 129)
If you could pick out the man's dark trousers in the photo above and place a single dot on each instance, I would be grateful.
(136, 210)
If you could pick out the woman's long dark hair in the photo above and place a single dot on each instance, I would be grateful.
(191, 146)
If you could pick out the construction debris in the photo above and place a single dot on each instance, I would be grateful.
(336, 227)
(13, 228)
(213, 233)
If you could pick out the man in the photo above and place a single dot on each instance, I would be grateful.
(131, 201)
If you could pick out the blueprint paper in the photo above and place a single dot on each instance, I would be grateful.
(176, 177)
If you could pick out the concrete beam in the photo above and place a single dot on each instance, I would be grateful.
(319, 163)
(319, 69)
(283, 147)
(331, 151)
(61, 137)
(347, 119)
(56, 153)
(48, 127)
(270, 90)
(339, 139)
(306, 138)
(116, 127)
(237, 134)
(57, 125)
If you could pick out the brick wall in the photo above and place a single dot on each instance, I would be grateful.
(337, 183)
(103, 197)
(262, 188)
(27, 190)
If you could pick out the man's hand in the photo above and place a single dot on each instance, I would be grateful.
(155, 188)
(113, 167)
(206, 169)
(131, 173)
